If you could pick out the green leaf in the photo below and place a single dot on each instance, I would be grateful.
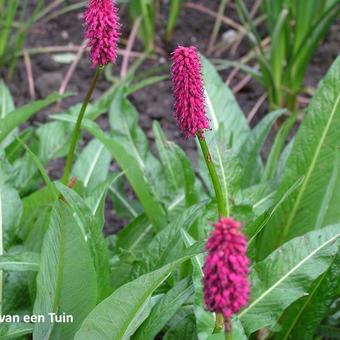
(119, 315)
(6, 100)
(136, 236)
(53, 139)
(131, 163)
(314, 150)
(286, 275)
(41, 168)
(303, 318)
(145, 9)
(20, 262)
(223, 110)
(167, 246)
(93, 234)
(35, 218)
(250, 151)
(19, 116)
(66, 282)
(176, 167)
(15, 330)
(163, 311)
(184, 330)
(229, 128)
(92, 165)
(10, 208)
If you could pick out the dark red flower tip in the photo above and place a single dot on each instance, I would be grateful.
(226, 269)
(188, 90)
(102, 29)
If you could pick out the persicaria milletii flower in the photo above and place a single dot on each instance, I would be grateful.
(102, 28)
(226, 269)
(188, 89)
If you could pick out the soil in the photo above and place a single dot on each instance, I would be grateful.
(154, 102)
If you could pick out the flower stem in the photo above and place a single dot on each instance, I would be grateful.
(222, 205)
(1, 253)
(228, 335)
(77, 128)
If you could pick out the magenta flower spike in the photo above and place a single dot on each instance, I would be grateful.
(226, 269)
(102, 29)
(187, 81)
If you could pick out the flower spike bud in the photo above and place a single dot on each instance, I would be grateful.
(188, 90)
(226, 269)
(102, 29)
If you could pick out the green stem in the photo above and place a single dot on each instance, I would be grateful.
(77, 128)
(228, 335)
(222, 202)
(1, 253)
(223, 209)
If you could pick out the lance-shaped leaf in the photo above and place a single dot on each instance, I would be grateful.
(20, 115)
(119, 315)
(130, 161)
(314, 150)
(66, 282)
(20, 261)
(303, 317)
(286, 275)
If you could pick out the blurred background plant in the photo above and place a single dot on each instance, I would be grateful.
(295, 29)
(148, 11)
(15, 22)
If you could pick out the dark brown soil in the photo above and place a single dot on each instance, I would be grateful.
(154, 102)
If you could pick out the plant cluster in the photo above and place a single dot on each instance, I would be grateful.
(231, 245)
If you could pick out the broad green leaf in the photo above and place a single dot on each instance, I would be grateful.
(132, 165)
(35, 218)
(6, 100)
(125, 129)
(253, 229)
(250, 151)
(20, 115)
(312, 156)
(41, 169)
(10, 208)
(184, 330)
(329, 332)
(15, 330)
(93, 234)
(15, 294)
(20, 261)
(303, 317)
(223, 110)
(6, 106)
(229, 128)
(15, 149)
(167, 245)
(286, 275)
(53, 139)
(162, 312)
(125, 206)
(92, 165)
(66, 282)
(96, 199)
(176, 166)
(119, 315)
(136, 236)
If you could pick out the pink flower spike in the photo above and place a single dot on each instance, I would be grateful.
(188, 89)
(102, 29)
(226, 269)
